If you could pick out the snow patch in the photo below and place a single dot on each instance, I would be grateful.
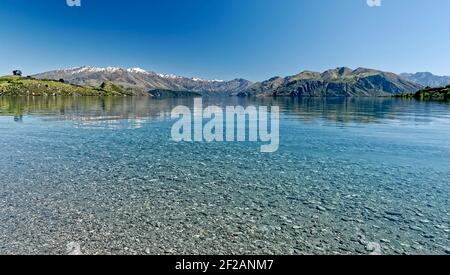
(169, 76)
(205, 80)
(137, 71)
(89, 69)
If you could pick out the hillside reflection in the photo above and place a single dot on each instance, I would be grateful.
(137, 110)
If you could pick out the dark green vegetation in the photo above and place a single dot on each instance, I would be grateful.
(161, 93)
(26, 86)
(435, 94)
(340, 82)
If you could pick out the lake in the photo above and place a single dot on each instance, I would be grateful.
(103, 176)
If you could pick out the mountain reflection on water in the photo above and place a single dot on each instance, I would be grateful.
(116, 111)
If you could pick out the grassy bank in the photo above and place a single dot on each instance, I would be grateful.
(25, 86)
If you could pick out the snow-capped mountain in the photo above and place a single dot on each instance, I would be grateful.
(141, 81)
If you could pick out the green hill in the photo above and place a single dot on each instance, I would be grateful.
(435, 94)
(26, 86)
(440, 94)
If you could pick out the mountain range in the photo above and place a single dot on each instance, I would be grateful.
(335, 82)
(427, 79)
(141, 82)
(341, 81)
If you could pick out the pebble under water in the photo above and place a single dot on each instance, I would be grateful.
(102, 176)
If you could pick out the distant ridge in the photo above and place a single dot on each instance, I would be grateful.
(427, 79)
(141, 81)
(337, 82)
(341, 81)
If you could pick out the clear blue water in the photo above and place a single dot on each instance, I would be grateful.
(352, 176)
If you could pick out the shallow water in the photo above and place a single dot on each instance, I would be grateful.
(351, 176)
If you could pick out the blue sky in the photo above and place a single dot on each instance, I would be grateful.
(226, 39)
